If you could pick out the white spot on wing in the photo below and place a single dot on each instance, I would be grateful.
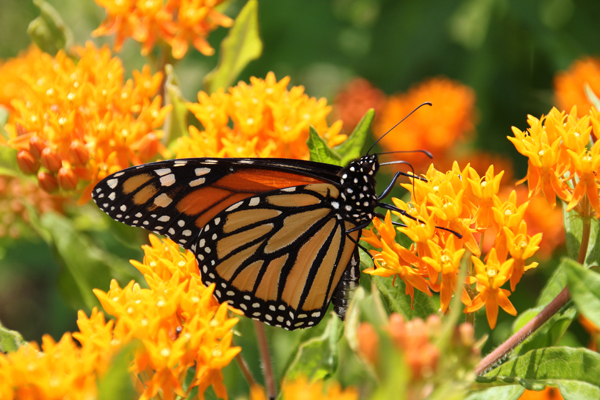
(201, 171)
(162, 171)
(112, 183)
(254, 201)
(167, 180)
(236, 205)
(164, 218)
(197, 182)
(163, 200)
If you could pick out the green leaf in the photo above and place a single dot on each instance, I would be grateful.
(10, 340)
(591, 96)
(574, 230)
(548, 334)
(116, 383)
(318, 358)
(352, 148)
(4, 114)
(584, 286)
(353, 319)
(85, 266)
(555, 285)
(319, 151)
(578, 391)
(398, 301)
(8, 162)
(48, 31)
(175, 124)
(512, 392)
(550, 366)
(241, 46)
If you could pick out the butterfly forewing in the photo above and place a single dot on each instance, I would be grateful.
(176, 198)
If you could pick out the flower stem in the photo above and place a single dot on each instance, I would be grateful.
(263, 347)
(552, 308)
(241, 362)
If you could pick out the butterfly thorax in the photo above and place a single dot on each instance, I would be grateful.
(358, 181)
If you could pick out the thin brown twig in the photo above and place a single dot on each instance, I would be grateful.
(241, 362)
(528, 329)
(263, 347)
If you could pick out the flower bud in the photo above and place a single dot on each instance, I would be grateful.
(368, 342)
(27, 162)
(36, 146)
(79, 154)
(148, 147)
(67, 178)
(47, 182)
(50, 160)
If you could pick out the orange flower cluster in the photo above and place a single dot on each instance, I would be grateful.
(12, 74)
(263, 119)
(447, 205)
(436, 128)
(416, 339)
(354, 100)
(570, 86)
(561, 161)
(301, 389)
(76, 122)
(14, 194)
(176, 22)
(177, 322)
(550, 393)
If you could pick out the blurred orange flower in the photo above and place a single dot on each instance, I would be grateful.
(80, 121)
(176, 22)
(569, 86)
(354, 100)
(262, 119)
(549, 393)
(436, 128)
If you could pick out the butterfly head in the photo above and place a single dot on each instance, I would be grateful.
(358, 180)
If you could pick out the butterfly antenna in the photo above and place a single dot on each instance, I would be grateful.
(402, 120)
(427, 153)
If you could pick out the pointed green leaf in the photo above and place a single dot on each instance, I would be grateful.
(550, 366)
(512, 392)
(555, 285)
(117, 383)
(241, 46)
(48, 31)
(591, 96)
(574, 230)
(352, 148)
(578, 391)
(85, 267)
(175, 124)
(319, 151)
(353, 319)
(318, 358)
(548, 334)
(4, 114)
(584, 286)
(10, 340)
(398, 301)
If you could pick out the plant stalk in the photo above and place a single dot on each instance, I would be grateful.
(552, 308)
(263, 347)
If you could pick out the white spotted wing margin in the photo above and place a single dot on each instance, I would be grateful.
(279, 257)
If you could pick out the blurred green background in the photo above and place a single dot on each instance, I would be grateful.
(507, 51)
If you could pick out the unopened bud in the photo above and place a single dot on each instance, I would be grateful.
(79, 154)
(67, 178)
(47, 182)
(50, 160)
(148, 147)
(36, 146)
(27, 162)
(368, 342)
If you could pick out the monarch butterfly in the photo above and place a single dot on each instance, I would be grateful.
(277, 237)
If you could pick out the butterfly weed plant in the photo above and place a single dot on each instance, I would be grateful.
(449, 247)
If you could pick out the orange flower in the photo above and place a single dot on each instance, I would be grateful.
(453, 113)
(549, 393)
(569, 86)
(176, 22)
(84, 118)
(521, 246)
(262, 119)
(354, 100)
(490, 277)
(177, 321)
(301, 389)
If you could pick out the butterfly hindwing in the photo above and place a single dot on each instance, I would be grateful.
(278, 256)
